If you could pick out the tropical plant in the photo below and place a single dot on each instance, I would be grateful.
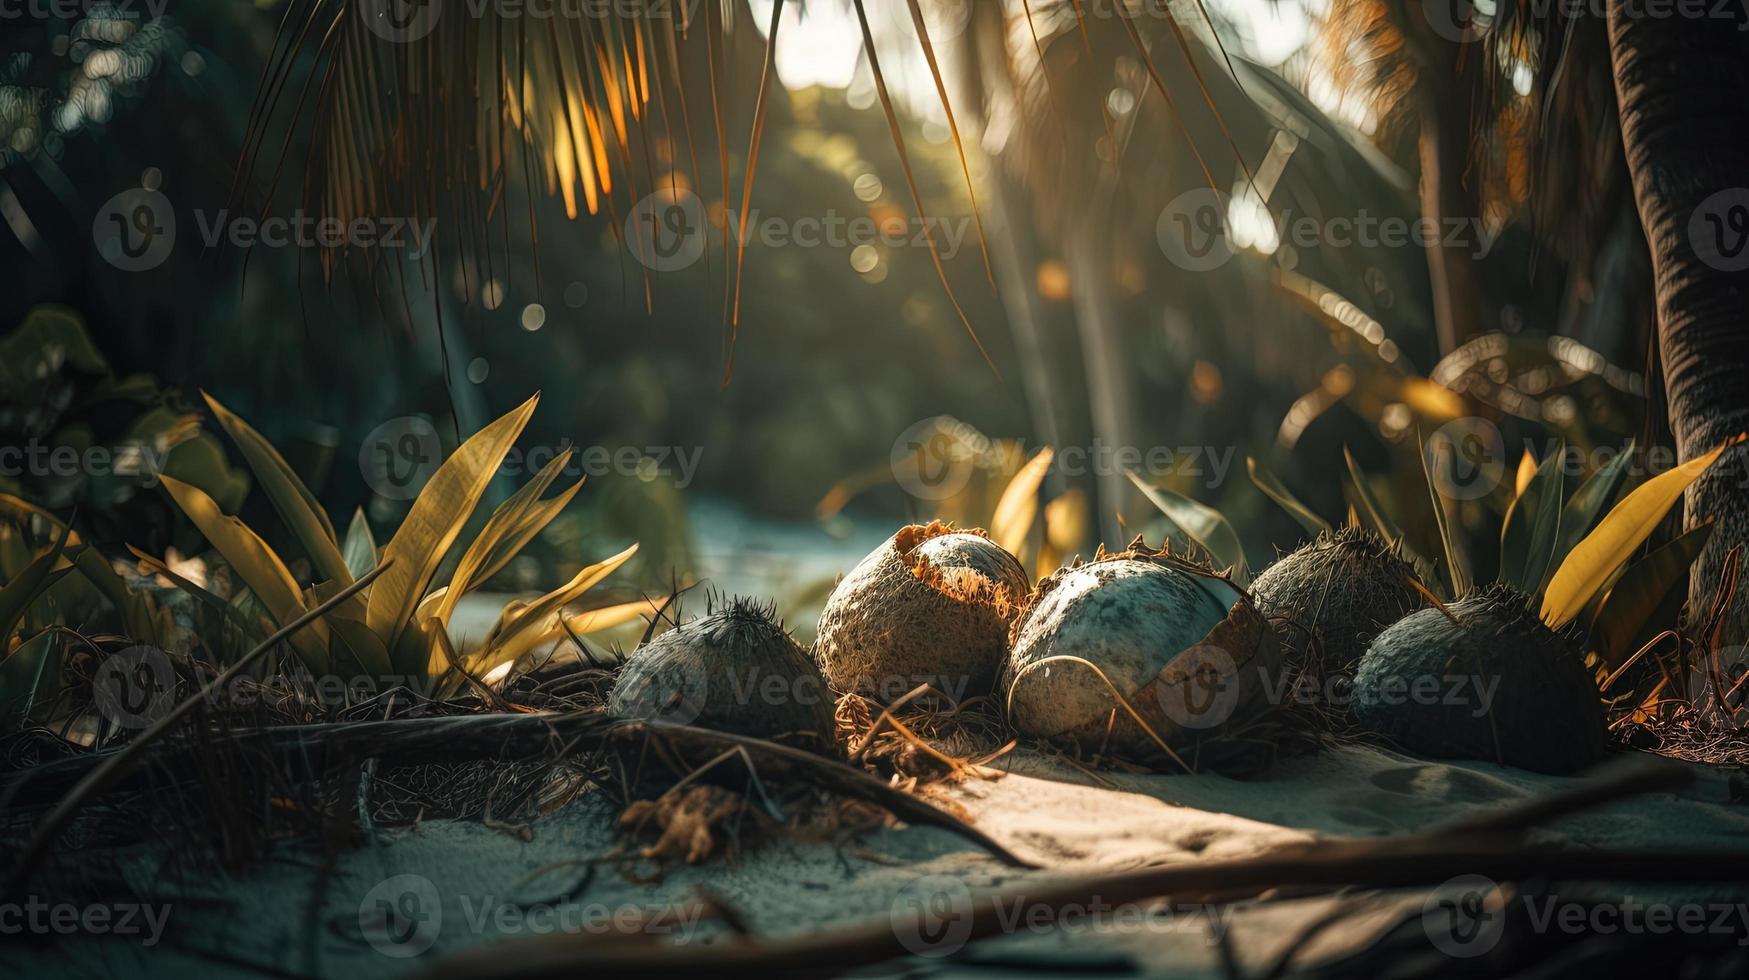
(399, 626)
(1574, 549)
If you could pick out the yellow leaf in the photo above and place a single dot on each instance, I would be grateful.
(435, 520)
(1591, 562)
(607, 617)
(256, 564)
(522, 632)
(511, 527)
(293, 501)
(1526, 470)
(1019, 504)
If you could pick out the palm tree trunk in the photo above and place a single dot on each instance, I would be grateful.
(1451, 268)
(1683, 87)
(1108, 370)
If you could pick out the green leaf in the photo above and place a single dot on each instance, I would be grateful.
(29, 676)
(36, 578)
(360, 549)
(1628, 524)
(1640, 590)
(1370, 507)
(293, 501)
(1200, 522)
(436, 518)
(49, 337)
(1277, 491)
(1455, 563)
(1545, 528)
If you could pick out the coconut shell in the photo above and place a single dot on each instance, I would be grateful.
(1331, 597)
(930, 605)
(1496, 685)
(1181, 645)
(735, 670)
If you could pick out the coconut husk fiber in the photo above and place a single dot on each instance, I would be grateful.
(932, 605)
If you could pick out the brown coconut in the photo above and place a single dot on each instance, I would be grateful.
(1331, 597)
(1132, 650)
(931, 605)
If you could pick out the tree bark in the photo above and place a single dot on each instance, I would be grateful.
(1683, 87)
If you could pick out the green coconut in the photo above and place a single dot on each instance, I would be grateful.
(1331, 597)
(1490, 681)
(931, 605)
(735, 670)
(1179, 644)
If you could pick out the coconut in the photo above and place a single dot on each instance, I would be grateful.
(1328, 599)
(735, 670)
(930, 605)
(1179, 644)
(1488, 681)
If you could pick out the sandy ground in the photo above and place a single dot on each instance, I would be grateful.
(463, 884)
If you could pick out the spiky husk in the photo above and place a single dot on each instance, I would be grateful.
(1163, 632)
(734, 670)
(1331, 597)
(930, 605)
(1525, 698)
